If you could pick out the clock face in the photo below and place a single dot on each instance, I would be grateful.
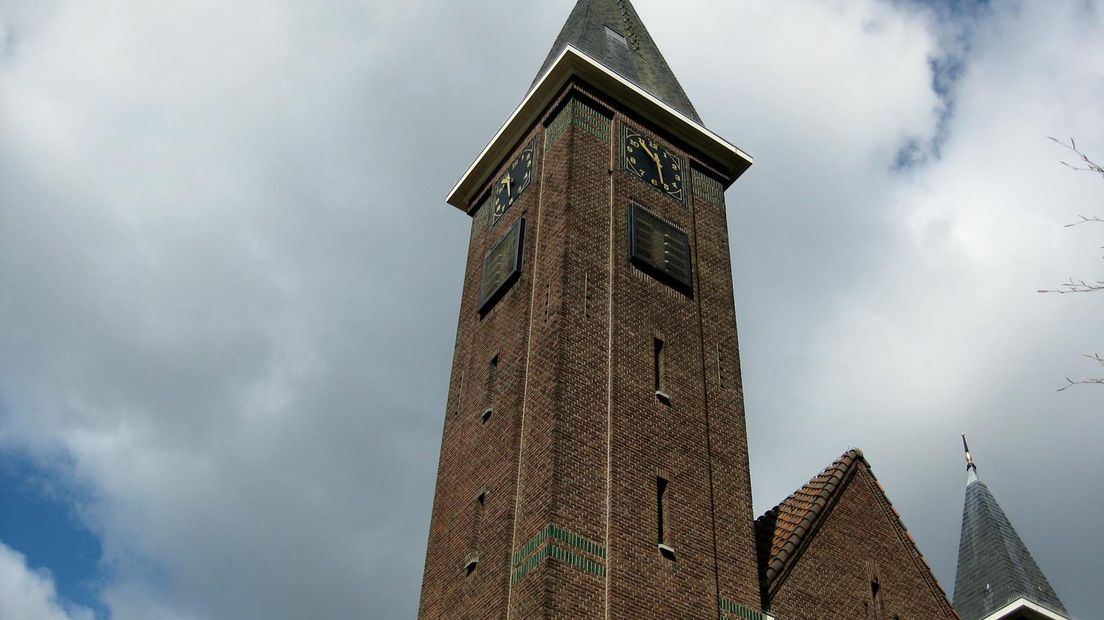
(654, 164)
(510, 187)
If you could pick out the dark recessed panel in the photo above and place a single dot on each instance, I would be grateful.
(660, 248)
(502, 266)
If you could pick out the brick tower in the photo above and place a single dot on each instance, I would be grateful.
(594, 457)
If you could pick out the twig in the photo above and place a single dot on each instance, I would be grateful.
(1087, 381)
(1084, 220)
(1090, 165)
(1076, 286)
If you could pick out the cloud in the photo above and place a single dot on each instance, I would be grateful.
(26, 594)
(228, 279)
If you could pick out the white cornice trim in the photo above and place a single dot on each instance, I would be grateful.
(574, 63)
(1023, 603)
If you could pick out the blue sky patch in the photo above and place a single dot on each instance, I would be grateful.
(39, 520)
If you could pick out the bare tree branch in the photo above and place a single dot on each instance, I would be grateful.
(1087, 381)
(1084, 220)
(1090, 165)
(1076, 286)
(1081, 286)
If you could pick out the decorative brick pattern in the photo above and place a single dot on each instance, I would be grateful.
(580, 114)
(481, 219)
(559, 533)
(731, 611)
(559, 125)
(545, 547)
(591, 120)
(706, 188)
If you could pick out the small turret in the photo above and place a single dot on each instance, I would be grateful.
(997, 578)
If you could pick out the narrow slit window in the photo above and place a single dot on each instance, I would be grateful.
(661, 512)
(459, 392)
(472, 560)
(659, 370)
(876, 597)
(586, 295)
(492, 381)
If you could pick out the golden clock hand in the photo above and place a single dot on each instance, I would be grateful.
(659, 167)
(646, 149)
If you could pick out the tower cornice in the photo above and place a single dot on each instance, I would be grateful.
(573, 63)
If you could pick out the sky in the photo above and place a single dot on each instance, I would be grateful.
(229, 281)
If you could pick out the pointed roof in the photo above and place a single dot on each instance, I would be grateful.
(995, 568)
(623, 64)
(784, 532)
(610, 32)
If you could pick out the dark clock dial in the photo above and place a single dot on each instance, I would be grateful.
(510, 187)
(654, 164)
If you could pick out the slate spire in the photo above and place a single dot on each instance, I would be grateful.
(994, 566)
(610, 32)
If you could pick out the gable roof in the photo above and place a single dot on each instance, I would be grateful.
(634, 56)
(994, 566)
(785, 531)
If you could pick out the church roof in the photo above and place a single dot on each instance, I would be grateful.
(783, 532)
(994, 566)
(628, 50)
(632, 74)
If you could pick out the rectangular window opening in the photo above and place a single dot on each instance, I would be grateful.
(502, 267)
(660, 248)
(616, 36)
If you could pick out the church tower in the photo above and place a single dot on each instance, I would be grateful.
(594, 458)
(997, 579)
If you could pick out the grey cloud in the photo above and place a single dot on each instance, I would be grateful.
(228, 279)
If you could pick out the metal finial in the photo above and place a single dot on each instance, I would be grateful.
(969, 458)
(971, 469)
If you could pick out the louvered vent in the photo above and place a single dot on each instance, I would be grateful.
(502, 266)
(660, 248)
